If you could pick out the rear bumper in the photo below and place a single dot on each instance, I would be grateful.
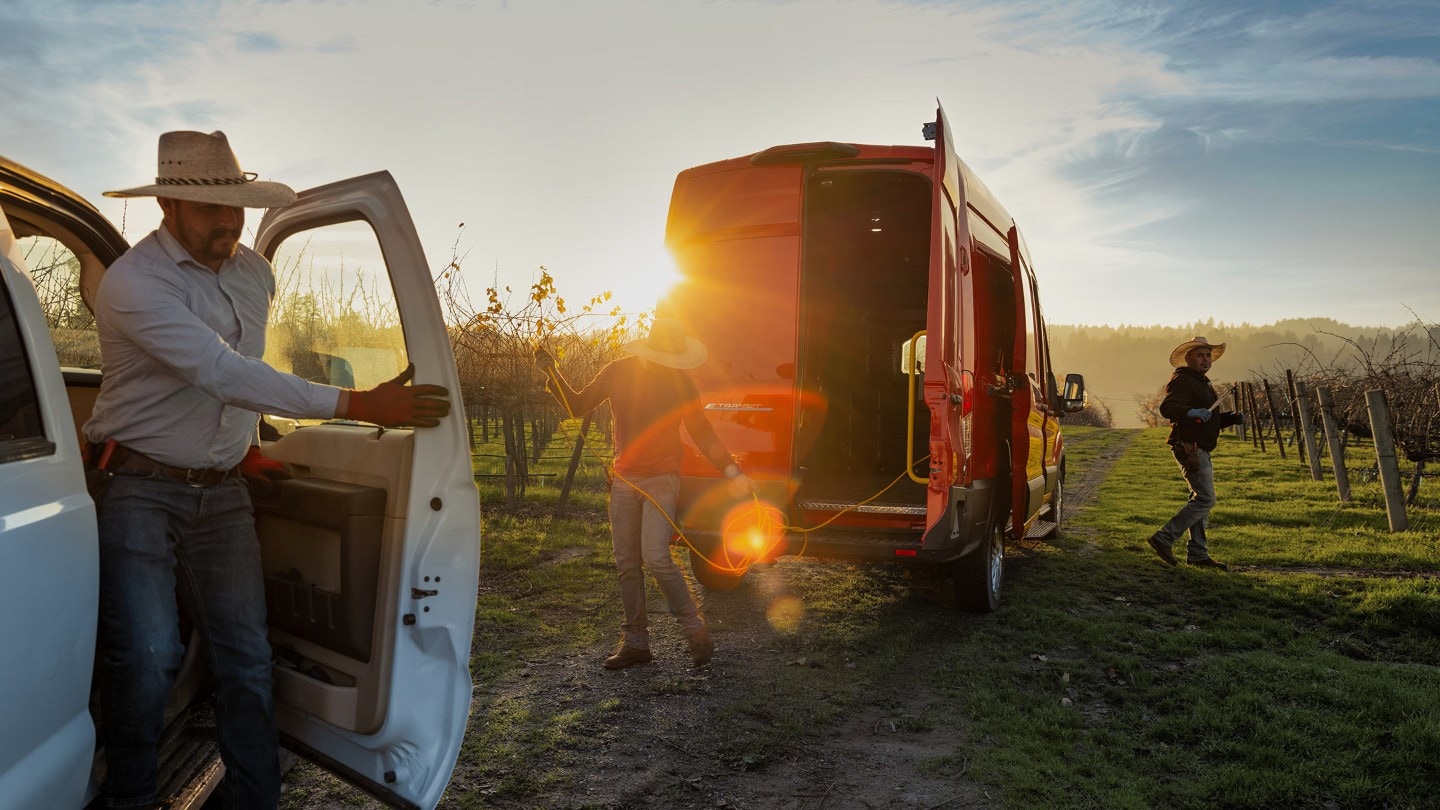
(958, 532)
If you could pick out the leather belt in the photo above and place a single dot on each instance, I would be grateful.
(135, 460)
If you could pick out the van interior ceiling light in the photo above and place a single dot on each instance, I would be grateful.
(875, 222)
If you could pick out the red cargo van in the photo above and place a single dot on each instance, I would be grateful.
(878, 362)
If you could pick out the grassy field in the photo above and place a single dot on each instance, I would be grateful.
(1307, 677)
(1281, 684)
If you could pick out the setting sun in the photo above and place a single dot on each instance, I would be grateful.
(649, 279)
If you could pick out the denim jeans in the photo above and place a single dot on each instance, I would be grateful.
(641, 533)
(1194, 516)
(157, 533)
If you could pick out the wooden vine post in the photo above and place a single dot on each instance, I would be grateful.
(1332, 437)
(1384, 432)
(1275, 419)
(1307, 434)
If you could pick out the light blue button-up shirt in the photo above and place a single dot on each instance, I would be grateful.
(180, 346)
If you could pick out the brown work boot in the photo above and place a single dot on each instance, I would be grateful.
(627, 656)
(702, 648)
(1163, 550)
(1208, 563)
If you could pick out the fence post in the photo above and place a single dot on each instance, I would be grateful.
(1307, 433)
(1415, 483)
(1332, 437)
(1275, 419)
(574, 462)
(1258, 432)
(1380, 427)
(1234, 397)
(1295, 413)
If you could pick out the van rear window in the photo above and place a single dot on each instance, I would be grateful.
(735, 200)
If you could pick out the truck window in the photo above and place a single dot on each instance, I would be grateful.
(334, 318)
(21, 433)
(56, 273)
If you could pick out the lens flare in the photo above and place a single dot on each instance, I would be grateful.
(785, 613)
(752, 531)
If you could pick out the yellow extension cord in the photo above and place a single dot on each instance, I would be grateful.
(761, 509)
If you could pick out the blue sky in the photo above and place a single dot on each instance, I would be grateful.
(1168, 161)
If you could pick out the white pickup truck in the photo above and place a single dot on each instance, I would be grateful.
(371, 549)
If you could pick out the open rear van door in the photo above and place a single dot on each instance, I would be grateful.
(944, 393)
(372, 549)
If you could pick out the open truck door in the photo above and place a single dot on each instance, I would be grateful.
(372, 550)
(49, 564)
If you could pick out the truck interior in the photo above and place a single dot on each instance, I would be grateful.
(863, 287)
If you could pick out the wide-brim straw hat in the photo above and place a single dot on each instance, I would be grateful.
(668, 345)
(1177, 357)
(202, 168)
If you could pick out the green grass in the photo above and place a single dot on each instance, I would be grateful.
(1193, 688)
(1105, 679)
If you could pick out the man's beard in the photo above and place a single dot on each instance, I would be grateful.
(216, 249)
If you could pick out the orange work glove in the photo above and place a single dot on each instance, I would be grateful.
(261, 467)
(393, 403)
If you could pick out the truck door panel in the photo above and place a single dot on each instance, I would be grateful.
(371, 550)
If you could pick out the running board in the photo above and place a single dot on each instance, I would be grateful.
(1039, 530)
(864, 508)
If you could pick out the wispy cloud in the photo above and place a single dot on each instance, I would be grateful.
(1122, 134)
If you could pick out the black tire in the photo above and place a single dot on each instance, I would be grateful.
(979, 575)
(707, 574)
(1055, 512)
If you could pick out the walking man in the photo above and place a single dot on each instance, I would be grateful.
(1194, 431)
(182, 318)
(651, 396)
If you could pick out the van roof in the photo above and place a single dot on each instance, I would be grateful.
(833, 153)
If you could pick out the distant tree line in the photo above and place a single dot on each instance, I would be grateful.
(1124, 366)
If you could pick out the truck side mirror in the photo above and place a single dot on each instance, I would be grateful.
(1073, 397)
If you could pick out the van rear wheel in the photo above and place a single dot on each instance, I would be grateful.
(979, 575)
(703, 559)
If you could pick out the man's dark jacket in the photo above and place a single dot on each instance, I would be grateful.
(1188, 389)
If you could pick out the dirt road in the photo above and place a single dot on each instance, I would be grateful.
(668, 736)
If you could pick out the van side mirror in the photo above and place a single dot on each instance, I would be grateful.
(1072, 398)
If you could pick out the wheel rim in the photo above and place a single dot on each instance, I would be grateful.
(997, 559)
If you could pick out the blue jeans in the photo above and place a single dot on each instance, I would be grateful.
(641, 533)
(157, 533)
(1194, 516)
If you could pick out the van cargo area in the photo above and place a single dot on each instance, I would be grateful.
(863, 282)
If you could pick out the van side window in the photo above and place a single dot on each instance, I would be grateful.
(22, 435)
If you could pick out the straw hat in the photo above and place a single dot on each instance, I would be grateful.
(202, 168)
(1177, 357)
(668, 345)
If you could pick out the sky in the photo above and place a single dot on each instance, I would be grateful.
(1168, 162)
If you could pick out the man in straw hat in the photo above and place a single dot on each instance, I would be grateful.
(651, 396)
(182, 319)
(1195, 429)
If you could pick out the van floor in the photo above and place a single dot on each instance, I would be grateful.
(841, 490)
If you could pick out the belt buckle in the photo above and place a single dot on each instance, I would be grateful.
(197, 478)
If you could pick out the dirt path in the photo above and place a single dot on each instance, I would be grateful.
(649, 737)
(1085, 480)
